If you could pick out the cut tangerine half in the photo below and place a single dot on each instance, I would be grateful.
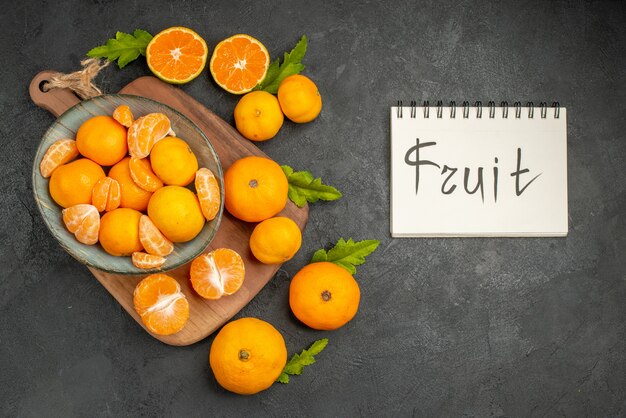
(61, 152)
(142, 174)
(83, 221)
(177, 55)
(147, 261)
(208, 193)
(123, 115)
(218, 273)
(147, 131)
(161, 304)
(106, 194)
(152, 239)
(239, 63)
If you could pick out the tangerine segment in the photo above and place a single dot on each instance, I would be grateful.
(177, 55)
(123, 115)
(153, 241)
(239, 63)
(106, 194)
(208, 193)
(147, 131)
(83, 221)
(142, 174)
(147, 261)
(218, 273)
(61, 152)
(161, 304)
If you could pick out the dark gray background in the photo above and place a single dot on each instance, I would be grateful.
(446, 327)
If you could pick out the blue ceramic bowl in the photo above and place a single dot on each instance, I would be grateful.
(67, 125)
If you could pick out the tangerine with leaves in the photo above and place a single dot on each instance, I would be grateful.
(247, 356)
(102, 139)
(71, 184)
(217, 273)
(324, 296)
(161, 304)
(255, 189)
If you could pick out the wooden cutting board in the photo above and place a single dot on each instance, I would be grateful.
(205, 316)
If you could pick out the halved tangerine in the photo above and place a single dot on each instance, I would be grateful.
(147, 261)
(142, 174)
(218, 273)
(123, 115)
(59, 153)
(83, 221)
(161, 304)
(239, 63)
(106, 194)
(152, 239)
(147, 131)
(177, 55)
(208, 193)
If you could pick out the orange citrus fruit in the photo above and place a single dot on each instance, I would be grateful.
(217, 273)
(147, 261)
(177, 55)
(123, 115)
(147, 131)
(106, 194)
(208, 193)
(255, 189)
(299, 98)
(119, 232)
(71, 183)
(275, 240)
(102, 139)
(324, 296)
(83, 221)
(153, 241)
(247, 356)
(173, 161)
(258, 116)
(133, 196)
(239, 63)
(61, 152)
(161, 304)
(142, 174)
(176, 213)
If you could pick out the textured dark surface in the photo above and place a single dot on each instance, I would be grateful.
(512, 327)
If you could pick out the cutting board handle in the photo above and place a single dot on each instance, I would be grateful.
(56, 101)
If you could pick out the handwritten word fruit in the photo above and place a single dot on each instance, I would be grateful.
(106, 194)
(275, 240)
(258, 116)
(147, 131)
(161, 304)
(239, 63)
(255, 189)
(83, 221)
(119, 232)
(147, 261)
(133, 196)
(141, 172)
(208, 191)
(217, 273)
(176, 213)
(123, 115)
(324, 296)
(59, 153)
(153, 240)
(177, 55)
(173, 161)
(299, 98)
(102, 139)
(71, 183)
(247, 356)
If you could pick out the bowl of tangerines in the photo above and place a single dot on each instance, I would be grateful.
(128, 185)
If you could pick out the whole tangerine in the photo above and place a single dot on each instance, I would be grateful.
(275, 240)
(119, 232)
(102, 139)
(299, 98)
(173, 161)
(71, 184)
(176, 213)
(132, 196)
(258, 116)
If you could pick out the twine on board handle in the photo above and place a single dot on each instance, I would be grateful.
(81, 81)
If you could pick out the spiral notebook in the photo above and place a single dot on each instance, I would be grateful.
(478, 171)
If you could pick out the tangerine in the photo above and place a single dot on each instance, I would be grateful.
(72, 183)
(83, 221)
(275, 240)
(258, 116)
(132, 196)
(299, 98)
(61, 152)
(177, 55)
(102, 139)
(217, 273)
(106, 194)
(161, 304)
(173, 161)
(119, 232)
(176, 213)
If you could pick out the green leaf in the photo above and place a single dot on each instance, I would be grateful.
(299, 361)
(303, 187)
(124, 48)
(278, 72)
(347, 254)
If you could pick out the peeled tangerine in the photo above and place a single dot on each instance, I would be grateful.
(218, 273)
(83, 221)
(147, 131)
(106, 194)
(59, 153)
(161, 304)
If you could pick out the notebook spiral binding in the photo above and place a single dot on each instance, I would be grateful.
(543, 106)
